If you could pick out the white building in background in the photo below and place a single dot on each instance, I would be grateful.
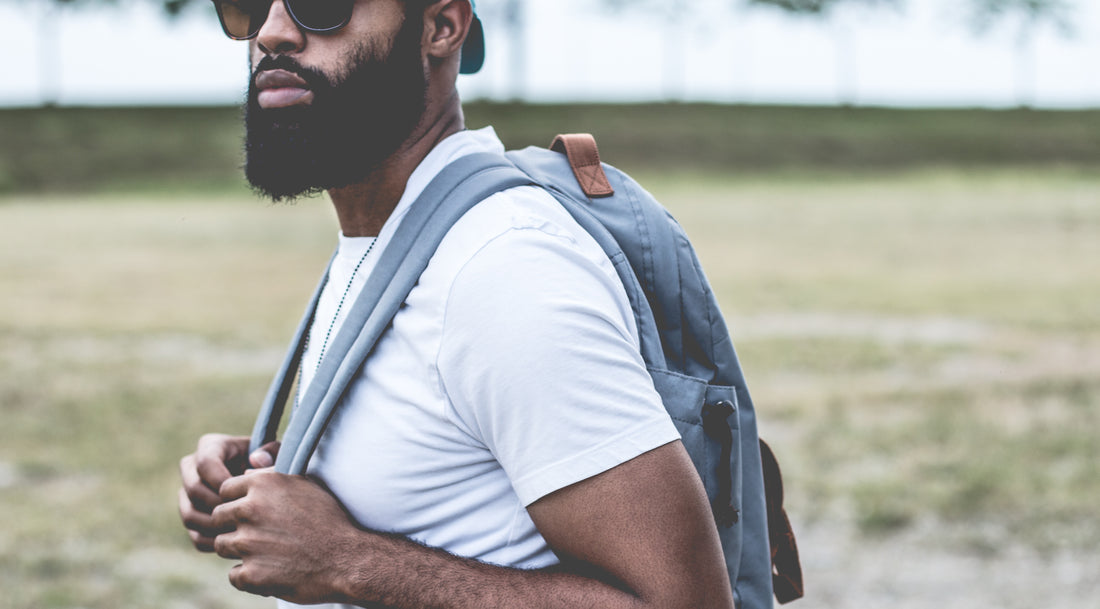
(923, 56)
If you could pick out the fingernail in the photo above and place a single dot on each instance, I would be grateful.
(261, 458)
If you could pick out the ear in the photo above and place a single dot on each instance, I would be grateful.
(446, 23)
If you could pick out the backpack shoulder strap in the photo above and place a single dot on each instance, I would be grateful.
(271, 411)
(459, 187)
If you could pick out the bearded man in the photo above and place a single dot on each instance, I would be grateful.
(503, 445)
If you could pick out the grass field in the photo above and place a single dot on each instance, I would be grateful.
(923, 349)
(923, 344)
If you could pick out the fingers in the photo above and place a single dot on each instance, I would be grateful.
(237, 578)
(237, 508)
(200, 494)
(244, 578)
(202, 474)
(219, 457)
(225, 545)
(230, 517)
(226, 517)
(200, 526)
(235, 488)
(201, 542)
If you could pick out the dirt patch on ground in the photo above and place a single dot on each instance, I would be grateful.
(919, 569)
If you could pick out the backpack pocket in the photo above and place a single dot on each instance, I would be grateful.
(706, 417)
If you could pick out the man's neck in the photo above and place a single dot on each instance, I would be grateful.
(363, 208)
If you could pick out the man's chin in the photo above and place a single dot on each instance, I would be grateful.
(280, 184)
(278, 155)
(284, 175)
(287, 195)
(280, 189)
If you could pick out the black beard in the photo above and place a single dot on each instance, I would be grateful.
(351, 127)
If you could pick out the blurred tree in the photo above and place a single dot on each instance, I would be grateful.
(982, 15)
(510, 17)
(1029, 16)
(515, 25)
(49, 55)
(844, 41)
(49, 12)
(676, 17)
(1059, 13)
(675, 14)
(171, 7)
(816, 7)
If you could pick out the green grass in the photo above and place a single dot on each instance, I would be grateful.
(739, 139)
(111, 149)
(199, 149)
(922, 348)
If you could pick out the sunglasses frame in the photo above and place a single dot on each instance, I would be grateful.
(290, 11)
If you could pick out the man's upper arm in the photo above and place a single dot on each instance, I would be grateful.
(538, 362)
(646, 523)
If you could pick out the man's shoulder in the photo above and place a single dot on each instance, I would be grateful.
(528, 216)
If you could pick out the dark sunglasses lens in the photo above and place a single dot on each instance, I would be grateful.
(242, 19)
(321, 15)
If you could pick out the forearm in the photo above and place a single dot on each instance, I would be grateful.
(295, 541)
(402, 574)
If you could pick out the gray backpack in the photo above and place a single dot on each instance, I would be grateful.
(684, 342)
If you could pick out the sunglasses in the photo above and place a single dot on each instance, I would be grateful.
(242, 19)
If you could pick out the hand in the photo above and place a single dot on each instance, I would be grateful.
(217, 459)
(289, 533)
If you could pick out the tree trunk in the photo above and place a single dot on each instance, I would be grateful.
(49, 53)
(675, 62)
(517, 63)
(847, 63)
(1025, 65)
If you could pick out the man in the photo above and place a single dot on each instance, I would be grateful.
(503, 446)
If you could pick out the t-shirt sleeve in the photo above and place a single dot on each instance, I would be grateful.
(539, 362)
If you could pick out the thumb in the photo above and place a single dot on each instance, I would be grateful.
(264, 456)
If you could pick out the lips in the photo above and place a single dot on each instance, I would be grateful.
(280, 89)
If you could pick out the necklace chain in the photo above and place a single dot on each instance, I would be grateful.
(340, 305)
(335, 316)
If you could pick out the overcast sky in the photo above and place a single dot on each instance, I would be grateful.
(922, 56)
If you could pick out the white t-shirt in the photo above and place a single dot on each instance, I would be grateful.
(512, 371)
